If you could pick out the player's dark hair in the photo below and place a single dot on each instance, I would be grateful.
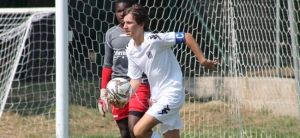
(140, 14)
(129, 2)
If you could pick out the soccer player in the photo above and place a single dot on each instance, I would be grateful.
(116, 65)
(151, 53)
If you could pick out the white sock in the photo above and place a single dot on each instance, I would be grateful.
(155, 134)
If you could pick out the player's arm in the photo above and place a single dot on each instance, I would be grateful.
(108, 62)
(106, 77)
(134, 72)
(135, 83)
(194, 46)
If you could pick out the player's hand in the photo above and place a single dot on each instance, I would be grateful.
(211, 65)
(117, 104)
(102, 102)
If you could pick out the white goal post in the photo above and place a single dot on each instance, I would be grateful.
(62, 69)
(49, 87)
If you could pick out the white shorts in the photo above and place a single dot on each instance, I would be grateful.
(166, 110)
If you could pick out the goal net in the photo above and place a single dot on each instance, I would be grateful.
(253, 93)
(26, 70)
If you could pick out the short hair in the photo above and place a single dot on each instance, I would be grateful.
(129, 2)
(140, 14)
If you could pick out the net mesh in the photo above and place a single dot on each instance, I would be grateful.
(27, 70)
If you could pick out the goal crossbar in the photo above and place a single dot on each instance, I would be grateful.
(26, 10)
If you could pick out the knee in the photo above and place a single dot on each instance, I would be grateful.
(125, 134)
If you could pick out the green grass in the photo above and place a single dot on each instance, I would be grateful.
(34, 117)
(205, 120)
(215, 119)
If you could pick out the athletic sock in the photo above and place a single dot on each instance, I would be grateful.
(155, 134)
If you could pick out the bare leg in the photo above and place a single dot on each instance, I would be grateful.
(143, 128)
(172, 134)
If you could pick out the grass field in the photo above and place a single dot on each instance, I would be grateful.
(211, 119)
(33, 116)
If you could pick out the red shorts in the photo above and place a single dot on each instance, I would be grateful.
(138, 102)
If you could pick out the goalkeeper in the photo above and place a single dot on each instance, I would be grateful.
(115, 65)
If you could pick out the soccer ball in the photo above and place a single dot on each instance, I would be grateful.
(119, 89)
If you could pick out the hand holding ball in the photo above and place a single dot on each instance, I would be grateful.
(119, 92)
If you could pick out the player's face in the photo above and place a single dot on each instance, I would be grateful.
(120, 7)
(131, 28)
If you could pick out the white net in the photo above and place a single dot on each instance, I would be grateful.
(26, 71)
(253, 93)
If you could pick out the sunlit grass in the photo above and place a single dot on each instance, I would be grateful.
(34, 117)
(221, 119)
(211, 119)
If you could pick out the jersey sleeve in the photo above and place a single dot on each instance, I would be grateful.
(169, 39)
(134, 71)
(108, 62)
(109, 53)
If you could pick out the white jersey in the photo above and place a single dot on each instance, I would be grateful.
(156, 59)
